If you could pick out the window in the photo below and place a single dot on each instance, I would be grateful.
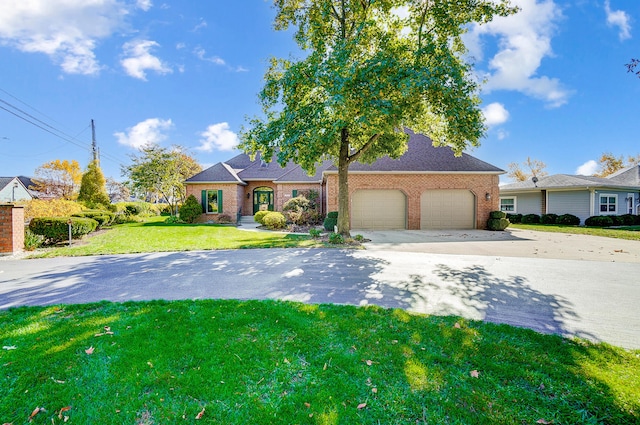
(608, 203)
(508, 205)
(212, 201)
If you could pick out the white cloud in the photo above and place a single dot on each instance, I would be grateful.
(202, 24)
(218, 137)
(495, 114)
(620, 19)
(502, 134)
(139, 59)
(202, 55)
(524, 39)
(144, 4)
(589, 168)
(149, 131)
(65, 30)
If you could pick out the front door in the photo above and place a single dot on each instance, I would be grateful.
(262, 199)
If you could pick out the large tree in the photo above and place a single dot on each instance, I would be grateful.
(526, 170)
(609, 163)
(372, 68)
(93, 190)
(58, 179)
(160, 172)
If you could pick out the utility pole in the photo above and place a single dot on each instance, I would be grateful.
(94, 145)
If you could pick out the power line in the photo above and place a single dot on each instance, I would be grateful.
(50, 128)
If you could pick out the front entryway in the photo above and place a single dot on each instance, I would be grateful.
(262, 199)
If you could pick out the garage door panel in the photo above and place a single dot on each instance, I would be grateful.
(378, 209)
(447, 209)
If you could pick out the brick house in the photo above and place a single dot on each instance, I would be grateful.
(426, 188)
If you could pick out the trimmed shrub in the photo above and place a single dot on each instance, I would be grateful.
(103, 217)
(628, 219)
(530, 219)
(190, 210)
(497, 224)
(56, 229)
(514, 218)
(568, 220)
(333, 214)
(274, 220)
(336, 238)
(259, 216)
(315, 233)
(549, 218)
(497, 214)
(599, 221)
(330, 223)
(359, 238)
(617, 221)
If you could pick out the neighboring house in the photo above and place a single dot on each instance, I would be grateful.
(426, 188)
(13, 189)
(582, 196)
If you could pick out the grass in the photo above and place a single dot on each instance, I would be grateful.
(270, 362)
(628, 232)
(154, 235)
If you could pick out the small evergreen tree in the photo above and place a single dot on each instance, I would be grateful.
(93, 190)
(190, 210)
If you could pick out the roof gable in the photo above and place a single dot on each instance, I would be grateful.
(218, 173)
(629, 176)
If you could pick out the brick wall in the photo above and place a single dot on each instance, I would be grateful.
(231, 193)
(11, 229)
(413, 185)
(284, 192)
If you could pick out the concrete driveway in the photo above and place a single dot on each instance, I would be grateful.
(510, 243)
(593, 299)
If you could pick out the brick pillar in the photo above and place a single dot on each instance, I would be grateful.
(11, 228)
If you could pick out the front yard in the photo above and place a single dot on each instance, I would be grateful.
(268, 362)
(628, 232)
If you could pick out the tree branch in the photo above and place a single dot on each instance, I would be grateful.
(357, 154)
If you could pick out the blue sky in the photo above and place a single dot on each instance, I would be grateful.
(189, 72)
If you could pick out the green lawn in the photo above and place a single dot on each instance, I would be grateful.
(628, 232)
(154, 235)
(268, 362)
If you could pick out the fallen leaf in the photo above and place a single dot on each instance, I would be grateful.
(369, 362)
(200, 414)
(34, 413)
(362, 405)
(457, 325)
(89, 350)
(307, 405)
(541, 386)
(374, 390)
(542, 421)
(107, 329)
(64, 409)
(57, 381)
(9, 347)
(474, 373)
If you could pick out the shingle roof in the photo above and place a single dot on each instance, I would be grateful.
(563, 181)
(5, 181)
(629, 176)
(422, 156)
(299, 175)
(218, 173)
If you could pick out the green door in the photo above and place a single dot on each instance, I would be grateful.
(262, 199)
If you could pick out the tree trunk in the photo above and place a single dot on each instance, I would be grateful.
(343, 185)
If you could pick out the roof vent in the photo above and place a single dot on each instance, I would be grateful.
(534, 179)
(263, 164)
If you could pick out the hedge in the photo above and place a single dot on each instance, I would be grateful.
(330, 221)
(530, 219)
(568, 220)
(56, 229)
(599, 221)
(103, 217)
(274, 220)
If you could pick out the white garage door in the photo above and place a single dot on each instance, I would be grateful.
(447, 209)
(378, 210)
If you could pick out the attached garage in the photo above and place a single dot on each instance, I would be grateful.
(447, 209)
(378, 209)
